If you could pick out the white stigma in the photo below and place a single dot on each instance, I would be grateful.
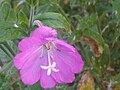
(50, 67)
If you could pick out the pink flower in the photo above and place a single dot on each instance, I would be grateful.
(44, 57)
(0, 68)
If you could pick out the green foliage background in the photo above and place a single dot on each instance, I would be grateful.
(92, 26)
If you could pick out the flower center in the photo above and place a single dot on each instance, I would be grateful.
(51, 66)
(49, 45)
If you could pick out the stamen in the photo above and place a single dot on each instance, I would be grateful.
(55, 47)
(41, 52)
(50, 67)
(49, 58)
(47, 46)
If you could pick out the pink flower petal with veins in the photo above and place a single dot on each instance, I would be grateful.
(30, 42)
(69, 56)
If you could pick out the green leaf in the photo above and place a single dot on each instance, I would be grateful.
(19, 5)
(93, 39)
(7, 13)
(3, 56)
(12, 17)
(23, 18)
(94, 35)
(116, 78)
(33, 2)
(36, 2)
(86, 22)
(45, 8)
(73, 3)
(54, 1)
(4, 11)
(116, 6)
(115, 37)
(54, 20)
(35, 87)
(102, 62)
(9, 32)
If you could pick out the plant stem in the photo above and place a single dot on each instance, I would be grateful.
(99, 26)
(91, 65)
(7, 66)
(6, 51)
(31, 18)
(9, 48)
(1, 64)
(63, 13)
(86, 55)
(18, 79)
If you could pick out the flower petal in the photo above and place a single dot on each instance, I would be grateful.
(31, 70)
(69, 55)
(47, 81)
(64, 45)
(31, 75)
(74, 60)
(28, 55)
(64, 75)
(44, 32)
(30, 42)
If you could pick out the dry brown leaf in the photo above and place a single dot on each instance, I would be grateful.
(86, 82)
(117, 87)
(66, 2)
(94, 45)
(110, 69)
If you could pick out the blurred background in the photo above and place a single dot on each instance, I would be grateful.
(91, 26)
